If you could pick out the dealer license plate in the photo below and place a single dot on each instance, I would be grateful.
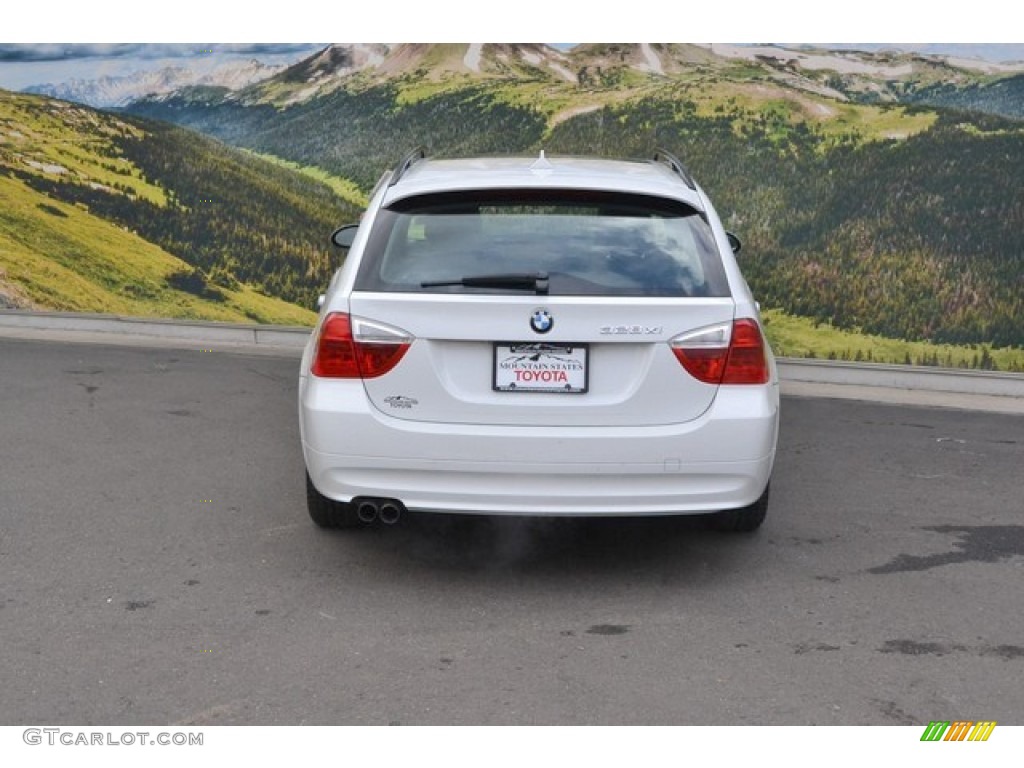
(540, 367)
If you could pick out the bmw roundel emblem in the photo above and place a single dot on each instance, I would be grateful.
(541, 321)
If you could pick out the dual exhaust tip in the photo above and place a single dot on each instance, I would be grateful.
(369, 510)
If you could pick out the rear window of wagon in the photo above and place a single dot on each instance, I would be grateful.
(588, 243)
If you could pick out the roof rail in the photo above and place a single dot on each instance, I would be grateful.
(405, 164)
(673, 162)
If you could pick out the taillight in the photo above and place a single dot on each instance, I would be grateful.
(728, 353)
(704, 352)
(747, 361)
(352, 348)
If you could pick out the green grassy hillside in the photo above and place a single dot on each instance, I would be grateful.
(111, 213)
(58, 256)
(802, 337)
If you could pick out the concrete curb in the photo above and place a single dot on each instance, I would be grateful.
(994, 383)
(194, 331)
(943, 387)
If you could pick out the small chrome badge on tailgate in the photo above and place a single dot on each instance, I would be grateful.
(630, 330)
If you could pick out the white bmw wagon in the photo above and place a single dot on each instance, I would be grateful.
(538, 336)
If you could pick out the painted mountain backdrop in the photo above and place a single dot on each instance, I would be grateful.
(876, 192)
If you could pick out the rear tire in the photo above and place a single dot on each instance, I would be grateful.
(745, 519)
(328, 513)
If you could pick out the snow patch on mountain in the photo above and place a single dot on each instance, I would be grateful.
(472, 57)
(46, 167)
(300, 96)
(562, 72)
(653, 63)
(565, 114)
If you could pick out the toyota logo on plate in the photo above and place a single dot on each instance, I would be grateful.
(541, 321)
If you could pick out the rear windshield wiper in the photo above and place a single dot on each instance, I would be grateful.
(516, 281)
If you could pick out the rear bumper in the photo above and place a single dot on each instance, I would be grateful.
(722, 460)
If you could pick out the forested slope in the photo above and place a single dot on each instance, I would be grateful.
(917, 238)
(1003, 97)
(236, 222)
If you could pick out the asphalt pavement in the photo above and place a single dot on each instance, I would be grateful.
(159, 567)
